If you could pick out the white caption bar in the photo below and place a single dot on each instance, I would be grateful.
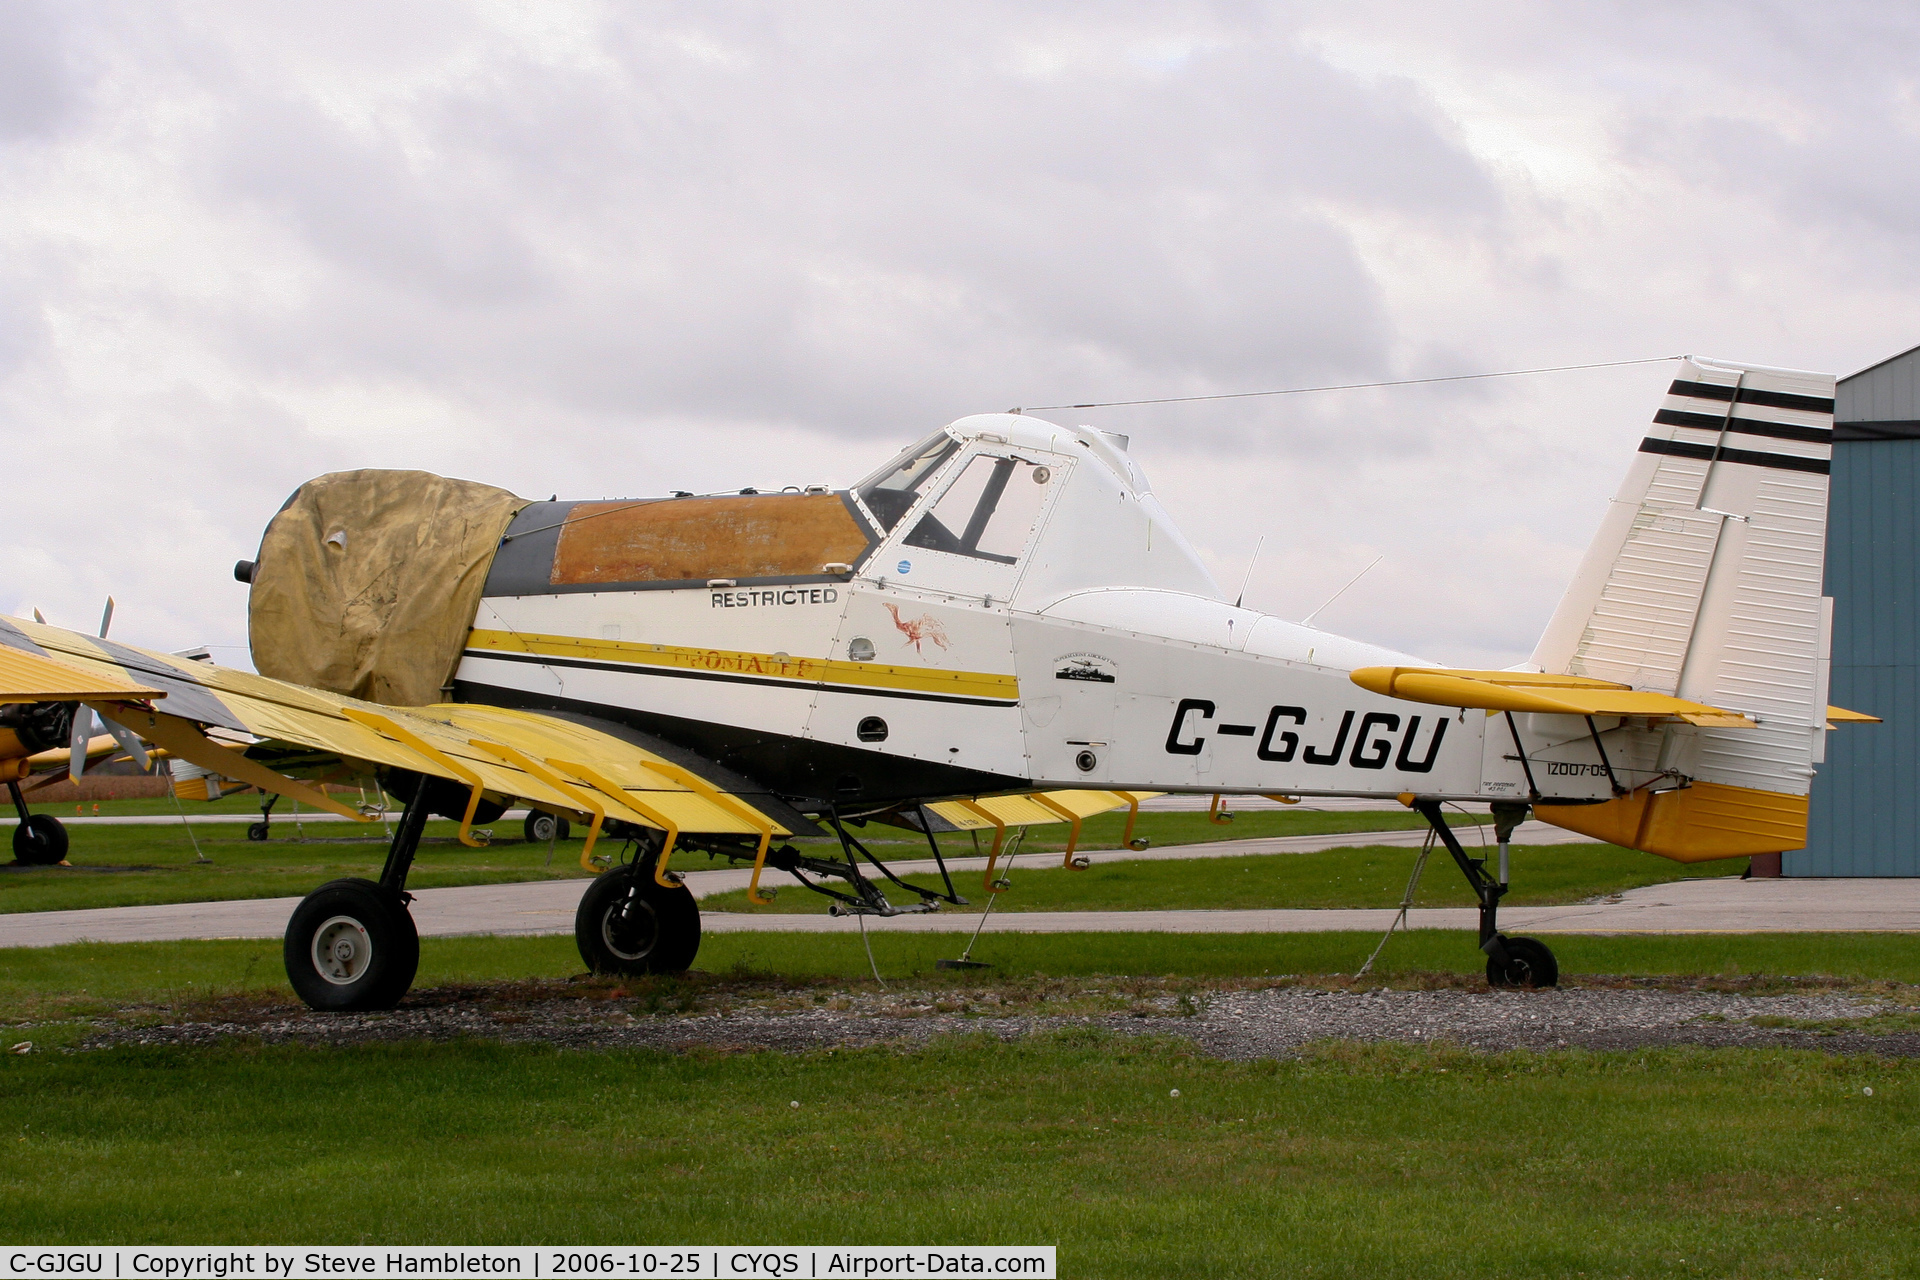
(256, 1262)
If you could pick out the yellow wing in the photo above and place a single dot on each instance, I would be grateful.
(551, 763)
(31, 677)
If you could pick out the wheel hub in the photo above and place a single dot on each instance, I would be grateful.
(630, 928)
(342, 950)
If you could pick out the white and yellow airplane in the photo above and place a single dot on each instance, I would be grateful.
(1001, 625)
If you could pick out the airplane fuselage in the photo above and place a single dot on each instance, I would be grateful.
(902, 661)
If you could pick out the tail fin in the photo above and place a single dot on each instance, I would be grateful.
(1704, 580)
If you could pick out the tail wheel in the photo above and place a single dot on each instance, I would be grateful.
(40, 841)
(258, 831)
(541, 827)
(629, 925)
(351, 946)
(1528, 964)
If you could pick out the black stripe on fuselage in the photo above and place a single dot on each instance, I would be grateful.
(542, 660)
(807, 773)
(1705, 452)
(1749, 395)
(1745, 426)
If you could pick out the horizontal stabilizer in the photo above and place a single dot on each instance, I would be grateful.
(1539, 693)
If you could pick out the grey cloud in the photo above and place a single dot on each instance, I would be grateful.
(783, 233)
(42, 88)
(599, 244)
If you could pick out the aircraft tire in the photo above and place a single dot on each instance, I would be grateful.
(629, 925)
(541, 827)
(40, 841)
(1528, 964)
(258, 831)
(351, 946)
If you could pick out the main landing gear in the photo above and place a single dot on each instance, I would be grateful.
(39, 840)
(629, 924)
(351, 945)
(1511, 962)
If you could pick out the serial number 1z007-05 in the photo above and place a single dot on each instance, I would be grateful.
(1562, 769)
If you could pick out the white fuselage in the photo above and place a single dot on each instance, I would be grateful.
(1096, 650)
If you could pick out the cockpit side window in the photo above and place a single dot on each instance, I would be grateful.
(891, 493)
(988, 511)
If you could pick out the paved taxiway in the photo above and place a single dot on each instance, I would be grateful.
(1719, 905)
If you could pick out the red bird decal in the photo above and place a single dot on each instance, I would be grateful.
(924, 627)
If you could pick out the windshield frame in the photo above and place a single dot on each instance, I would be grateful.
(889, 505)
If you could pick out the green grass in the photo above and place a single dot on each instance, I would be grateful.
(116, 866)
(134, 866)
(1352, 1161)
(247, 802)
(43, 984)
(1372, 876)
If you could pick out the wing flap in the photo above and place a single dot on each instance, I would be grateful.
(1540, 693)
(1024, 810)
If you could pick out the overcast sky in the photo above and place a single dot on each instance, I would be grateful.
(615, 250)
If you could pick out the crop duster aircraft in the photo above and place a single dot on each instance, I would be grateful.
(1000, 625)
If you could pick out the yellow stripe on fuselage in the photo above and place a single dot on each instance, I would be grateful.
(766, 666)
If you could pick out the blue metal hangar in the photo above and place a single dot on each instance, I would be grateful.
(1865, 812)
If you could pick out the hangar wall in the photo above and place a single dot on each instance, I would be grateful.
(1865, 813)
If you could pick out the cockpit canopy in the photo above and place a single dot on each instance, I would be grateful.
(986, 512)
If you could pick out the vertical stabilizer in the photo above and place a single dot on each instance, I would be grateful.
(1704, 580)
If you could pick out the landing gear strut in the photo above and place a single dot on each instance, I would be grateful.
(1511, 962)
(39, 840)
(351, 944)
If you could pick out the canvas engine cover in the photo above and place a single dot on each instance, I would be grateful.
(368, 581)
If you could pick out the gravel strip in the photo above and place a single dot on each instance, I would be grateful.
(1267, 1022)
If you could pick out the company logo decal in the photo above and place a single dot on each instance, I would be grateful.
(1084, 666)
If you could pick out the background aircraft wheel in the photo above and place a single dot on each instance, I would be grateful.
(629, 925)
(542, 827)
(257, 831)
(351, 945)
(1529, 964)
(40, 841)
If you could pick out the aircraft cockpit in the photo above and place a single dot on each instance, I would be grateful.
(984, 512)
